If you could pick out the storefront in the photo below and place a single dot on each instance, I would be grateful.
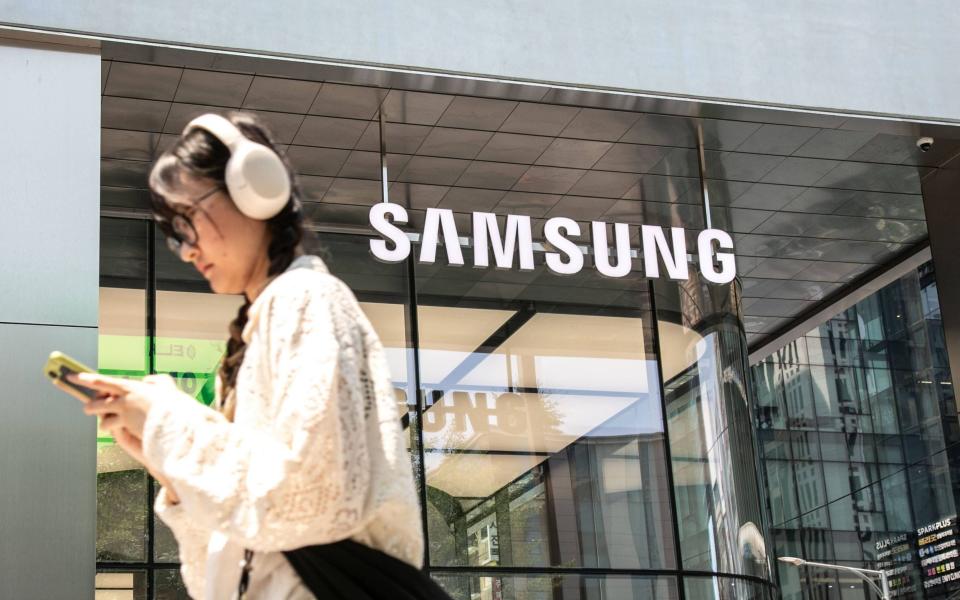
(559, 454)
(571, 284)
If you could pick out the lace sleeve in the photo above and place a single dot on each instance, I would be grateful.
(301, 479)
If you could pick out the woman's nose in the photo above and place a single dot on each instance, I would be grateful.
(188, 252)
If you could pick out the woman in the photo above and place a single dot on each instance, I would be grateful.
(299, 482)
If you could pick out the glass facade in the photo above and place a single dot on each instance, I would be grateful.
(857, 426)
(558, 455)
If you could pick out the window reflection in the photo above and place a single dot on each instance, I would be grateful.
(708, 422)
(122, 340)
(877, 433)
(543, 435)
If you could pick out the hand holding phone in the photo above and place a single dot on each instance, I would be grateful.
(59, 366)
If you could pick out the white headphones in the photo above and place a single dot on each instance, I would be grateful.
(256, 177)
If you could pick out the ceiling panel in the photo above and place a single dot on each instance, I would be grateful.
(834, 271)
(738, 166)
(577, 154)
(766, 196)
(283, 126)
(134, 114)
(366, 165)
(454, 143)
(124, 173)
(400, 137)
(539, 119)
(580, 208)
(878, 204)
(353, 191)
(124, 198)
(330, 132)
(136, 80)
(284, 95)
(317, 161)
(678, 162)
(417, 195)
(526, 203)
(213, 88)
(127, 144)
(104, 74)
(597, 124)
(429, 169)
(515, 148)
(663, 130)
(774, 307)
(873, 177)
(738, 220)
(777, 139)
(314, 187)
(662, 188)
(800, 171)
(415, 107)
(548, 180)
(180, 114)
(476, 113)
(655, 213)
(492, 175)
(833, 144)
(350, 101)
(463, 199)
(605, 184)
(632, 158)
(719, 134)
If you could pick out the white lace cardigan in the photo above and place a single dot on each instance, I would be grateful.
(315, 453)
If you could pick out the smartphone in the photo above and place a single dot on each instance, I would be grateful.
(59, 365)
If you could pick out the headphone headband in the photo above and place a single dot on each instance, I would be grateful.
(219, 127)
(256, 176)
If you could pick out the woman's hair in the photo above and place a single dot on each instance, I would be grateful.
(199, 154)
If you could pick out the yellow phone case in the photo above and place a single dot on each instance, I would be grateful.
(59, 365)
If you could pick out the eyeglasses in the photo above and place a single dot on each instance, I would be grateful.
(179, 230)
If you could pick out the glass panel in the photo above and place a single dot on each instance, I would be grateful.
(121, 513)
(724, 588)
(556, 587)
(192, 325)
(886, 419)
(164, 544)
(167, 585)
(121, 481)
(542, 425)
(709, 427)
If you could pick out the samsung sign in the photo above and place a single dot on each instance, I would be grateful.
(514, 244)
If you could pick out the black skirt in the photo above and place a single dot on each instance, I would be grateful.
(349, 570)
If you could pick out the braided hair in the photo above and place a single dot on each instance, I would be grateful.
(199, 154)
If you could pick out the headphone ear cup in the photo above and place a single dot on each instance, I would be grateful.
(258, 181)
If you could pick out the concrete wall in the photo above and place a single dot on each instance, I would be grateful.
(892, 57)
(49, 260)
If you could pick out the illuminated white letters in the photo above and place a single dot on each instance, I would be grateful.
(401, 243)
(563, 250)
(555, 237)
(655, 243)
(517, 236)
(728, 265)
(601, 254)
(438, 218)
